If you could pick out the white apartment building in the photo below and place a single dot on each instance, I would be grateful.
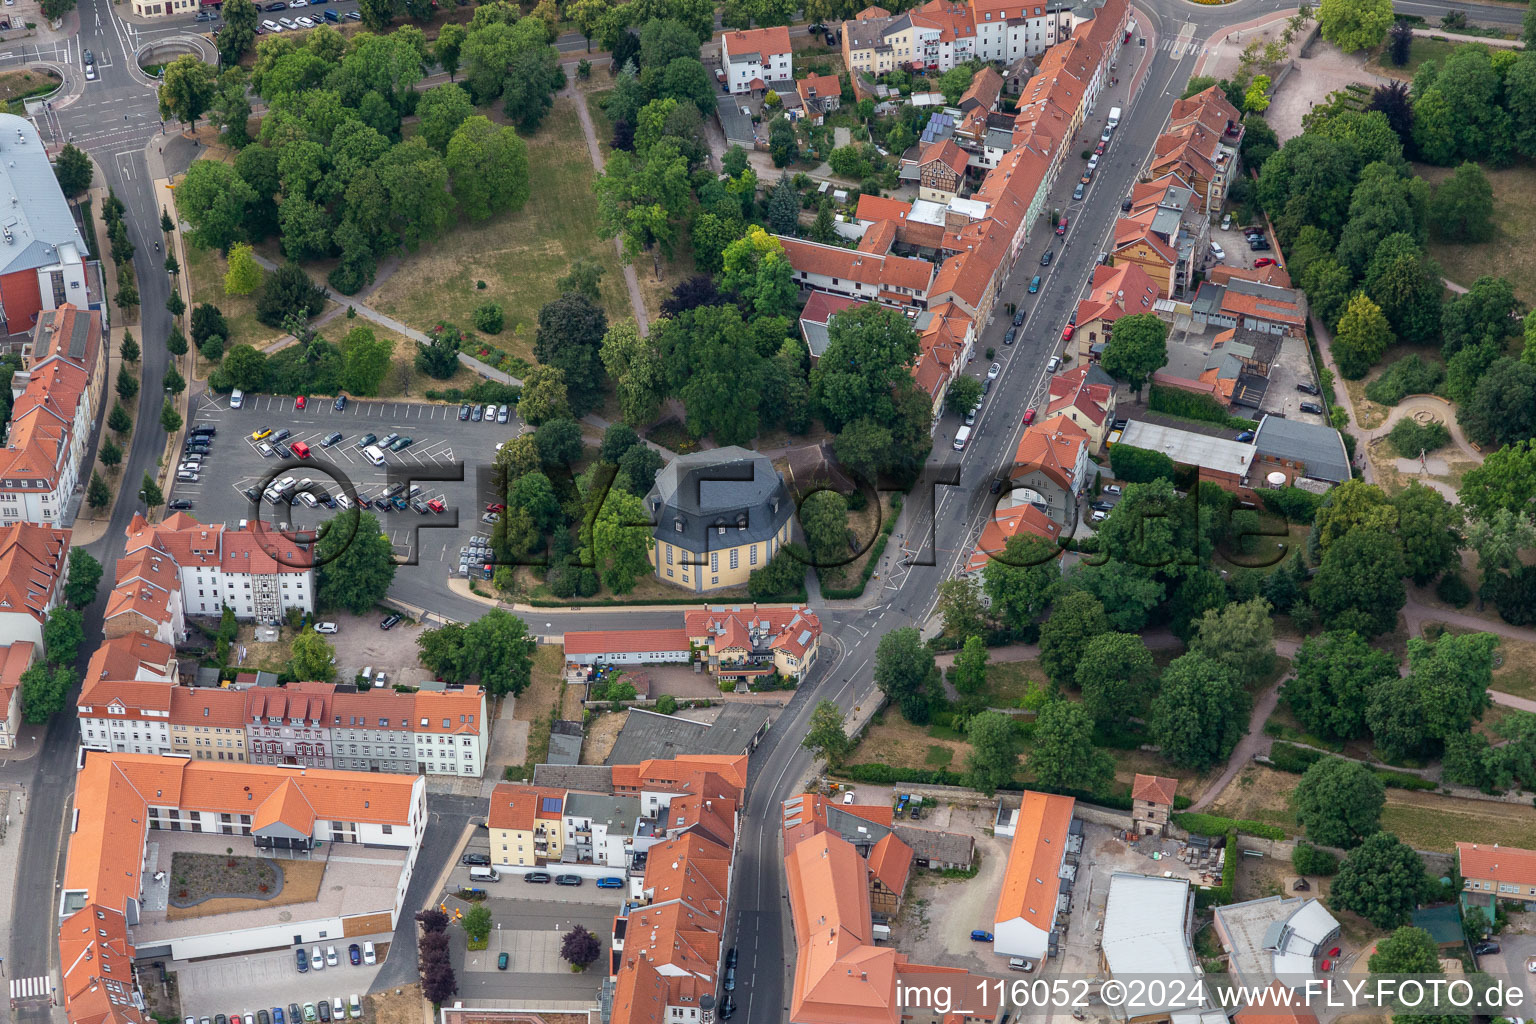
(757, 60)
(125, 700)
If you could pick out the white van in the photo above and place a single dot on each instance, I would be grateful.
(367, 674)
(237, 397)
(961, 437)
(374, 455)
(483, 874)
(1114, 117)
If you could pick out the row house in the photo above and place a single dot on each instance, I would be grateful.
(257, 572)
(55, 400)
(1121, 290)
(146, 598)
(1007, 31)
(125, 698)
(34, 570)
(939, 171)
(938, 36)
(1086, 396)
(1201, 144)
(896, 280)
(1014, 515)
(429, 732)
(208, 723)
(757, 60)
(820, 95)
(1051, 463)
(946, 336)
(15, 658)
(290, 725)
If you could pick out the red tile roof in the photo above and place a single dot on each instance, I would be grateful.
(1071, 390)
(207, 705)
(764, 41)
(1498, 863)
(885, 272)
(32, 558)
(1007, 523)
(946, 152)
(1030, 884)
(820, 308)
(1118, 291)
(1050, 446)
(891, 862)
(1154, 789)
(625, 641)
(516, 806)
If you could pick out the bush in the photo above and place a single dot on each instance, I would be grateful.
(1410, 437)
(1410, 375)
(1139, 465)
(1295, 504)
(1309, 860)
(346, 279)
(1215, 825)
(1177, 402)
(489, 318)
(1453, 590)
(1287, 757)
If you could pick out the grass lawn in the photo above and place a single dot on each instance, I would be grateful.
(1509, 254)
(1423, 49)
(16, 84)
(206, 269)
(519, 256)
(403, 379)
(1427, 821)
(1009, 682)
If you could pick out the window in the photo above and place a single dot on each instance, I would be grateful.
(735, 557)
(389, 830)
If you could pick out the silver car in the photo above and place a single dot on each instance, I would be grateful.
(502, 414)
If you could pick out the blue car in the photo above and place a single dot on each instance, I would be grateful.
(1034, 284)
(277, 1015)
(1245, 436)
(981, 936)
(610, 882)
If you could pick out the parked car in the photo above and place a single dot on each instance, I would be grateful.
(1264, 261)
(1244, 437)
(310, 1013)
(1061, 225)
(1079, 190)
(390, 622)
(536, 876)
(1218, 252)
(567, 879)
(464, 411)
(501, 961)
(1312, 407)
(1009, 335)
(610, 882)
(179, 505)
(475, 413)
(402, 443)
(341, 400)
(1018, 318)
(301, 958)
(324, 1009)
(1486, 949)
(366, 440)
(730, 979)
(282, 435)
(1066, 332)
(981, 935)
(1310, 389)
(994, 370)
(316, 959)
(301, 402)
(1029, 416)
(355, 954)
(1034, 284)
(334, 437)
(1125, 204)
(261, 434)
(369, 957)
(503, 414)
(1045, 260)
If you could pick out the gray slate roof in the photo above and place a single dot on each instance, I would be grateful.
(731, 487)
(1320, 449)
(647, 734)
(565, 743)
(35, 217)
(592, 778)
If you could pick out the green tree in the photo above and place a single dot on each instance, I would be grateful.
(43, 691)
(1487, 313)
(1363, 335)
(1382, 880)
(289, 292)
(559, 443)
(355, 566)
(1063, 755)
(824, 519)
(450, 41)
(1462, 208)
(242, 275)
(84, 576)
(1336, 675)
(1240, 636)
(783, 208)
(310, 657)
(1309, 860)
(580, 948)
(1076, 618)
(1256, 99)
(1506, 480)
(175, 304)
(964, 394)
(570, 336)
(63, 633)
(1339, 802)
(129, 348)
(969, 672)
(98, 495)
(477, 922)
(489, 165)
(620, 541)
(1359, 584)
(1355, 24)
(906, 673)
(111, 454)
(960, 607)
(216, 201)
(127, 384)
(74, 171)
(639, 466)
(584, 277)
(1498, 539)
(440, 112)
(1406, 284)
(544, 397)
(238, 35)
(365, 361)
(783, 578)
(1429, 530)
(186, 88)
(994, 755)
(1501, 409)
(825, 736)
(1114, 675)
(119, 421)
(1139, 349)
(1200, 713)
(170, 419)
(634, 364)
(869, 349)
(1407, 950)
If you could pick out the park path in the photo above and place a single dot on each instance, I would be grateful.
(631, 282)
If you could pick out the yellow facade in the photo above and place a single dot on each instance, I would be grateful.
(722, 567)
(527, 848)
(208, 742)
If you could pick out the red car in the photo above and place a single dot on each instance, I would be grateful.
(1061, 228)
(1066, 332)
(436, 505)
(495, 508)
(298, 403)
(1029, 416)
(1264, 261)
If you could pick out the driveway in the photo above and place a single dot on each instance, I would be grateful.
(264, 980)
(360, 642)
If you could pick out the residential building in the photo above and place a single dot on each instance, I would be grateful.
(937, 36)
(43, 261)
(757, 60)
(1086, 396)
(55, 401)
(112, 882)
(1152, 803)
(1218, 458)
(430, 732)
(1298, 452)
(1490, 873)
(939, 170)
(984, 91)
(1204, 137)
(1031, 896)
(737, 729)
(34, 569)
(890, 866)
(526, 825)
(895, 280)
(126, 697)
(1014, 515)
(146, 599)
(1007, 31)
(745, 643)
(600, 829)
(819, 310)
(867, 46)
(627, 647)
(291, 725)
(1050, 467)
(15, 658)
(946, 336)
(1278, 938)
(656, 780)
(1147, 933)
(1251, 305)
(718, 515)
(820, 95)
(207, 723)
(1136, 242)
(257, 572)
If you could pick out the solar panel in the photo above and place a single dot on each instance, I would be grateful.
(550, 803)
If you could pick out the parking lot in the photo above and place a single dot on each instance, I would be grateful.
(448, 459)
(264, 980)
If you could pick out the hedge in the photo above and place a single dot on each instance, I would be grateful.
(1192, 406)
(1139, 465)
(1215, 825)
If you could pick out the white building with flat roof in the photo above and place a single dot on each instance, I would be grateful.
(1147, 935)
